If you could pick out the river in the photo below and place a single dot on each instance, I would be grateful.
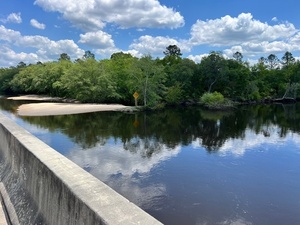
(188, 165)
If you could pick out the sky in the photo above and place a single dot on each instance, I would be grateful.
(41, 30)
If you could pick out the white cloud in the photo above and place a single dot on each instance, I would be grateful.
(9, 35)
(37, 25)
(97, 39)
(295, 40)
(55, 48)
(50, 48)
(264, 48)
(156, 45)
(134, 53)
(13, 18)
(9, 57)
(91, 15)
(152, 45)
(274, 19)
(107, 52)
(229, 30)
(102, 43)
(46, 49)
(243, 33)
(197, 58)
(229, 52)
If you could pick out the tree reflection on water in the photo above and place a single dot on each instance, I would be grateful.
(171, 127)
(159, 160)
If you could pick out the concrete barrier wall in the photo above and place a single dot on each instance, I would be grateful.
(46, 188)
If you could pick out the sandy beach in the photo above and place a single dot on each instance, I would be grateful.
(50, 109)
(60, 108)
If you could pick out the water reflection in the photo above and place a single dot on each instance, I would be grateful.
(114, 160)
(235, 221)
(190, 166)
(126, 171)
(173, 127)
(239, 146)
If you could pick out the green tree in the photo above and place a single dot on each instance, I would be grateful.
(173, 50)
(121, 66)
(6, 76)
(22, 82)
(183, 73)
(88, 55)
(89, 81)
(64, 56)
(172, 55)
(51, 75)
(213, 68)
(273, 61)
(291, 71)
(237, 79)
(147, 78)
(287, 59)
(21, 65)
(238, 57)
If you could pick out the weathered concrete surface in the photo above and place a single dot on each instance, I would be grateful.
(9, 211)
(3, 219)
(54, 188)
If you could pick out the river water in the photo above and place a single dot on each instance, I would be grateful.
(188, 165)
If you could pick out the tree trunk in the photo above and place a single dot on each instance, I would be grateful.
(145, 91)
(210, 86)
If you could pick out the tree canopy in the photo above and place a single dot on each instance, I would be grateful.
(170, 80)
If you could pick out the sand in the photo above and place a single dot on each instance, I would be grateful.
(50, 106)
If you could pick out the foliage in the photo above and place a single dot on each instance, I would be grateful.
(147, 78)
(213, 69)
(171, 80)
(173, 50)
(214, 100)
(238, 57)
(64, 56)
(174, 95)
(6, 75)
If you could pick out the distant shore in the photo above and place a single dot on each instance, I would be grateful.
(54, 106)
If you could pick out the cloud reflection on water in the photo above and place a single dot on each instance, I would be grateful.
(124, 170)
(252, 140)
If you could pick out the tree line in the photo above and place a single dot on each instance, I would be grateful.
(171, 80)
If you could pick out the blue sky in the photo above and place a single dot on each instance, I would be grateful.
(41, 30)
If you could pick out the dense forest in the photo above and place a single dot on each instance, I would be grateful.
(171, 80)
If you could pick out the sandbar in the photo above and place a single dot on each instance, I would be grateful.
(51, 108)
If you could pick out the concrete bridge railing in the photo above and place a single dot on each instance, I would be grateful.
(40, 186)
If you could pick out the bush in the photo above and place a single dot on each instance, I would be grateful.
(214, 100)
